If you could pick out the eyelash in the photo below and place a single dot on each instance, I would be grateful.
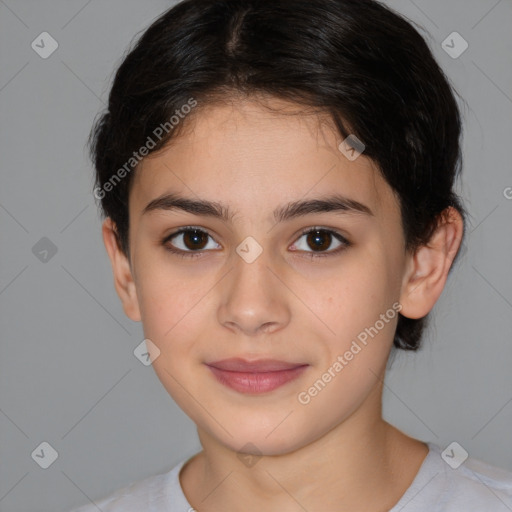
(311, 254)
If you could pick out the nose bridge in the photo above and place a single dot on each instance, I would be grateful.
(251, 273)
(252, 298)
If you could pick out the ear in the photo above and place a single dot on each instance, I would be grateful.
(427, 269)
(123, 279)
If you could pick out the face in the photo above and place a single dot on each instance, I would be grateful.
(252, 285)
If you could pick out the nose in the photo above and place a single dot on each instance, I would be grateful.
(253, 299)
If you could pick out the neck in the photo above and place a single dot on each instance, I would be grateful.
(362, 464)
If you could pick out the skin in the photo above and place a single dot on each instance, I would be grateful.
(336, 452)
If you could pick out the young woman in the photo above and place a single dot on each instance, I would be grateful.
(277, 184)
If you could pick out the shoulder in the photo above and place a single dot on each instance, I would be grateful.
(470, 485)
(152, 494)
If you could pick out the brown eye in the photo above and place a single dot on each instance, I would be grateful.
(188, 240)
(195, 239)
(319, 240)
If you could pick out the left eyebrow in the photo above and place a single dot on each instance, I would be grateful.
(334, 203)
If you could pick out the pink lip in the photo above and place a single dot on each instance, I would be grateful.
(255, 376)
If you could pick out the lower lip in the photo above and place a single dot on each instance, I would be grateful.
(256, 382)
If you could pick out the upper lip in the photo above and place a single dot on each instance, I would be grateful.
(258, 366)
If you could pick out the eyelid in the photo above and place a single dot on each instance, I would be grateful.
(185, 229)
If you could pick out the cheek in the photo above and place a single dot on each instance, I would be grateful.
(175, 317)
(167, 298)
(172, 310)
(359, 305)
(354, 297)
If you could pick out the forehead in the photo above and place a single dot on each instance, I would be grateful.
(243, 155)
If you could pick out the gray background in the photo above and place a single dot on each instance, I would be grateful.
(68, 375)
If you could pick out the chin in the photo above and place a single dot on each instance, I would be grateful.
(251, 435)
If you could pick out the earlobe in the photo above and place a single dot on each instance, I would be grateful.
(427, 269)
(123, 278)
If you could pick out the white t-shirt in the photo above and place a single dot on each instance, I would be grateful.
(474, 486)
